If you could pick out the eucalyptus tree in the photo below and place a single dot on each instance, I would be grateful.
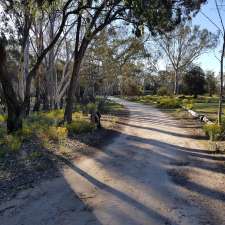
(194, 81)
(18, 106)
(220, 26)
(90, 17)
(184, 45)
(211, 82)
(157, 15)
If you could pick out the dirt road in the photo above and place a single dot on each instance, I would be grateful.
(153, 173)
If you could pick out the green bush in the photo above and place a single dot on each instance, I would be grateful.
(213, 130)
(78, 108)
(188, 104)
(163, 91)
(3, 118)
(3, 132)
(91, 107)
(12, 141)
(44, 126)
(80, 126)
(57, 133)
(2, 152)
(35, 155)
(169, 103)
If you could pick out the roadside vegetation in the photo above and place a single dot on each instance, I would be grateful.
(178, 106)
(59, 56)
(34, 152)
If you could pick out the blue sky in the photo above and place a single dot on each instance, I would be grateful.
(208, 61)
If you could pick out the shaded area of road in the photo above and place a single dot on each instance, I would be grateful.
(153, 172)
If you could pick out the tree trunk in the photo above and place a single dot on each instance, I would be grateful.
(14, 120)
(74, 82)
(221, 84)
(45, 101)
(71, 91)
(77, 91)
(51, 58)
(78, 57)
(26, 102)
(15, 113)
(25, 66)
(61, 103)
(37, 96)
(175, 83)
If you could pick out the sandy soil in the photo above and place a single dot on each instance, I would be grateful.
(153, 172)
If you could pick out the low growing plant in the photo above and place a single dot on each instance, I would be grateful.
(188, 104)
(3, 118)
(213, 130)
(12, 141)
(57, 133)
(169, 103)
(80, 126)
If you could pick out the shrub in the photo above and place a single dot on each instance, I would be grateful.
(80, 126)
(26, 131)
(2, 152)
(57, 133)
(78, 115)
(35, 155)
(3, 118)
(12, 141)
(169, 103)
(188, 104)
(3, 132)
(162, 91)
(77, 108)
(91, 107)
(213, 130)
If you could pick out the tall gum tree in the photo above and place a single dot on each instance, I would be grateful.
(184, 45)
(158, 16)
(91, 17)
(16, 106)
(219, 6)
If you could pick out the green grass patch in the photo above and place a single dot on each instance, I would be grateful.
(80, 126)
(203, 104)
(169, 103)
(45, 127)
(164, 102)
(111, 107)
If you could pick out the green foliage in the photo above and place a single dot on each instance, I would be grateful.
(194, 81)
(211, 83)
(3, 132)
(57, 133)
(162, 91)
(188, 104)
(78, 108)
(161, 15)
(3, 118)
(147, 99)
(12, 141)
(2, 152)
(169, 103)
(91, 107)
(130, 87)
(80, 126)
(110, 107)
(44, 126)
(213, 130)
(35, 155)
